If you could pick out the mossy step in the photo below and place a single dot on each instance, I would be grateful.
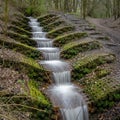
(103, 92)
(22, 48)
(45, 17)
(59, 31)
(20, 30)
(21, 25)
(22, 38)
(48, 21)
(64, 39)
(27, 66)
(90, 62)
(100, 37)
(74, 48)
(53, 25)
(21, 17)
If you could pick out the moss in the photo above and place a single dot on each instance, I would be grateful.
(48, 21)
(87, 64)
(21, 17)
(102, 73)
(20, 24)
(73, 48)
(41, 102)
(20, 30)
(36, 94)
(23, 49)
(53, 25)
(27, 66)
(45, 17)
(32, 102)
(22, 38)
(59, 31)
(103, 92)
(64, 39)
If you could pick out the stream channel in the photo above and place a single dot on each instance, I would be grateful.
(62, 92)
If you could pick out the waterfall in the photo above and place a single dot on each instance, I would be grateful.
(55, 65)
(50, 53)
(36, 28)
(62, 93)
(62, 77)
(38, 34)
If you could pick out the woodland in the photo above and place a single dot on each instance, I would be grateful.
(85, 37)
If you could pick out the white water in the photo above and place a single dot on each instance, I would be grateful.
(50, 53)
(63, 93)
(38, 34)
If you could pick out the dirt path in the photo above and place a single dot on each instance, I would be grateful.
(100, 25)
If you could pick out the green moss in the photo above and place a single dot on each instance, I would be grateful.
(87, 64)
(53, 25)
(23, 49)
(22, 38)
(102, 73)
(21, 17)
(40, 101)
(103, 92)
(45, 17)
(20, 24)
(48, 21)
(27, 66)
(73, 48)
(20, 30)
(59, 31)
(64, 39)
(32, 102)
(36, 94)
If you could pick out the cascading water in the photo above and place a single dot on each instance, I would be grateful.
(50, 53)
(63, 93)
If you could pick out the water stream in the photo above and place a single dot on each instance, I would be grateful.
(62, 93)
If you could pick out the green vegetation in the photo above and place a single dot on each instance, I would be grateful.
(72, 49)
(31, 102)
(54, 25)
(102, 92)
(21, 25)
(89, 63)
(64, 39)
(45, 17)
(27, 66)
(22, 48)
(59, 31)
(49, 20)
(20, 30)
(23, 38)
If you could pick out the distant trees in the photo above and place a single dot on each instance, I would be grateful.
(116, 8)
(96, 8)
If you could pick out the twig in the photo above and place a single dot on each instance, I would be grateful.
(23, 106)
(6, 117)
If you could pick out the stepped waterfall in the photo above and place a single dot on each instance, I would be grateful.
(62, 92)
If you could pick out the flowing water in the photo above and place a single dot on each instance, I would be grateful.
(62, 93)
